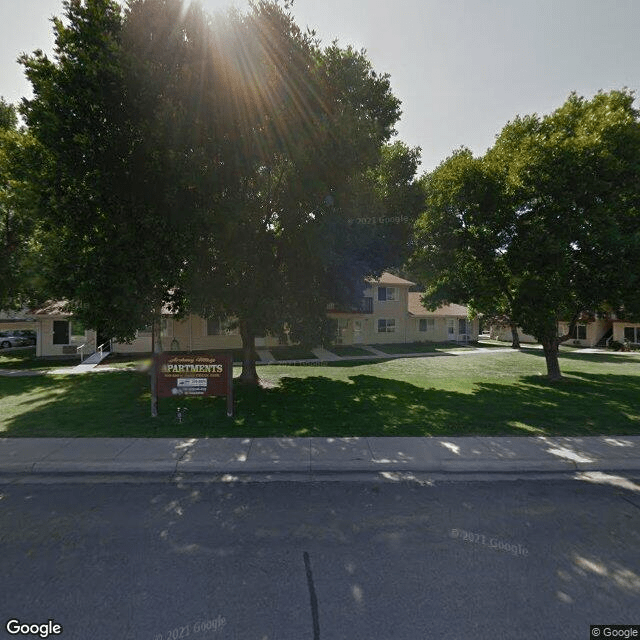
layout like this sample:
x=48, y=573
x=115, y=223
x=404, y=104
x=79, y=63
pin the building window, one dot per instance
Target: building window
x=220, y=327
x=60, y=332
x=451, y=327
x=632, y=334
x=147, y=331
x=387, y=293
x=341, y=331
x=426, y=324
x=213, y=327
x=579, y=332
x=386, y=326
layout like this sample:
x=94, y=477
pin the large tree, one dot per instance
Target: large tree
x=545, y=226
x=117, y=180
x=213, y=162
x=18, y=243
x=312, y=124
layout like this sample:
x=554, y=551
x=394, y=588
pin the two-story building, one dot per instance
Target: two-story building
x=388, y=313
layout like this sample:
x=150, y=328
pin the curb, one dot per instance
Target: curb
x=89, y=472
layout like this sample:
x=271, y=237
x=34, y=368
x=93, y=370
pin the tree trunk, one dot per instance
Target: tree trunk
x=515, y=338
x=156, y=347
x=249, y=374
x=550, y=347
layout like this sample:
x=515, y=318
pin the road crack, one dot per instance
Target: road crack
x=312, y=597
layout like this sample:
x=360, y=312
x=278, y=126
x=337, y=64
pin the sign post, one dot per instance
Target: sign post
x=195, y=374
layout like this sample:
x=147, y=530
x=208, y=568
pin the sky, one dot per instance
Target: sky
x=462, y=68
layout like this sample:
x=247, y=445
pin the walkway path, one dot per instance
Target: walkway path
x=324, y=355
x=595, y=458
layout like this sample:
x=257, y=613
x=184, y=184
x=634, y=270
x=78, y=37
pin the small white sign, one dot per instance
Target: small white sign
x=192, y=382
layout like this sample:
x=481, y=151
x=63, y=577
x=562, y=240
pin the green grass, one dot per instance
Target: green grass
x=292, y=353
x=487, y=343
x=347, y=350
x=25, y=359
x=474, y=394
x=420, y=347
x=130, y=360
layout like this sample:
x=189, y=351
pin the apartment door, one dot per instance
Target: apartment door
x=357, y=331
x=60, y=332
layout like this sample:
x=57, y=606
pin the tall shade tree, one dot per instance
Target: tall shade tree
x=311, y=124
x=545, y=227
x=18, y=244
x=115, y=185
x=211, y=162
x=461, y=239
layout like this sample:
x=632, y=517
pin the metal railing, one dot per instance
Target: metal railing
x=100, y=348
x=81, y=348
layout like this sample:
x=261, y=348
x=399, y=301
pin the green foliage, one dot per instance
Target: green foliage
x=312, y=125
x=8, y=117
x=490, y=394
x=213, y=163
x=117, y=182
x=19, y=281
x=545, y=226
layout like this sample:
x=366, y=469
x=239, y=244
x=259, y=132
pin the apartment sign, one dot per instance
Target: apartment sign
x=195, y=374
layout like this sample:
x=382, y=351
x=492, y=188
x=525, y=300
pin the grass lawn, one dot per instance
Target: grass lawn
x=472, y=394
x=292, y=353
x=25, y=359
x=420, y=347
x=128, y=360
x=348, y=350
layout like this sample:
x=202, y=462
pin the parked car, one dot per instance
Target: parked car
x=11, y=339
x=28, y=335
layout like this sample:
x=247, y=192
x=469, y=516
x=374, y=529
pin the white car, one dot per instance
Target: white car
x=8, y=339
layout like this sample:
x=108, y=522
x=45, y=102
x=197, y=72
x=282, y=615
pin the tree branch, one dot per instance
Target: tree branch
x=572, y=326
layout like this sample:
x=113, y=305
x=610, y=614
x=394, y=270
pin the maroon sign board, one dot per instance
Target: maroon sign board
x=195, y=374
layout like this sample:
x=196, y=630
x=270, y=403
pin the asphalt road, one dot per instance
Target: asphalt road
x=337, y=560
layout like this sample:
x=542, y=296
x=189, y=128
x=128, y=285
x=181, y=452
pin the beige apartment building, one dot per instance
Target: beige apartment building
x=390, y=313
x=387, y=313
x=593, y=332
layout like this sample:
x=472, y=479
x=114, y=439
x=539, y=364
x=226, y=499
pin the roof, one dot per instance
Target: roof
x=10, y=315
x=51, y=308
x=59, y=308
x=416, y=308
x=389, y=278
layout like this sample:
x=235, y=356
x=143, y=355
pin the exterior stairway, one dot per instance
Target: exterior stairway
x=603, y=341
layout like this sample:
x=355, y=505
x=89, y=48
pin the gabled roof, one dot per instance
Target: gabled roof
x=51, y=308
x=59, y=308
x=10, y=315
x=416, y=308
x=389, y=278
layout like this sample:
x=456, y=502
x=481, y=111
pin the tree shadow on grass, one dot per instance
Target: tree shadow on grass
x=368, y=405
x=614, y=358
x=117, y=405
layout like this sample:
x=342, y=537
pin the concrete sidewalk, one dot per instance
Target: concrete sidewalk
x=313, y=458
x=267, y=358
